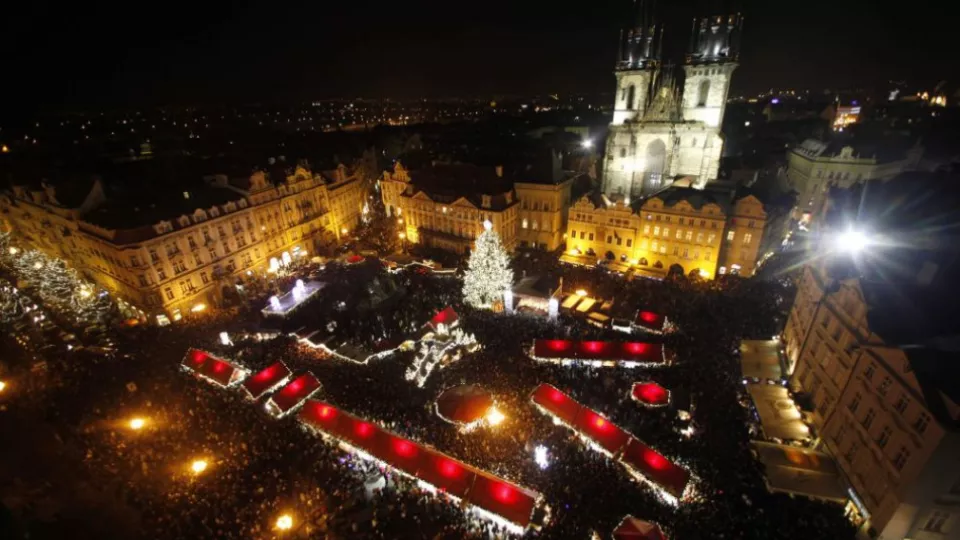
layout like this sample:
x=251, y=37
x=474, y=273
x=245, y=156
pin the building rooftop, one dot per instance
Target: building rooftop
x=449, y=182
x=910, y=277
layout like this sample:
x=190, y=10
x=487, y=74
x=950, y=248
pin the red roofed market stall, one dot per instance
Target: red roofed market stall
x=632, y=528
x=650, y=394
x=293, y=394
x=266, y=380
x=601, y=353
x=648, y=321
x=216, y=370
x=607, y=437
x=490, y=495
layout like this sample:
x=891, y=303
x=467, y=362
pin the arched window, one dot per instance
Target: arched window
x=631, y=91
x=702, y=93
x=655, y=162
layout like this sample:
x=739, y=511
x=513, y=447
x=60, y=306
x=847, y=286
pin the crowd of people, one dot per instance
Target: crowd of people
x=260, y=468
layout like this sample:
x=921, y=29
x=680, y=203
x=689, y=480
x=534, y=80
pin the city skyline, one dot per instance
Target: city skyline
x=72, y=59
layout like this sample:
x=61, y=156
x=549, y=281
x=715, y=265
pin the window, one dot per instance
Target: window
x=646, y=229
x=654, y=246
x=868, y=374
x=143, y=280
x=629, y=242
x=185, y=288
x=852, y=451
x=686, y=253
x=591, y=237
x=193, y=244
x=154, y=257
x=702, y=92
x=679, y=234
x=623, y=152
x=923, y=420
x=583, y=235
x=747, y=237
x=656, y=231
x=179, y=267
x=936, y=521
x=204, y=278
x=573, y=234
x=676, y=250
x=643, y=244
x=752, y=224
x=689, y=236
x=855, y=402
x=161, y=274
x=900, y=460
x=703, y=223
x=885, y=386
x=663, y=248
x=711, y=237
x=525, y=224
x=196, y=259
x=699, y=237
x=609, y=239
x=134, y=261
x=213, y=253
x=666, y=232
x=707, y=255
x=169, y=292
x=901, y=405
x=868, y=419
x=841, y=433
x=730, y=236
x=884, y=437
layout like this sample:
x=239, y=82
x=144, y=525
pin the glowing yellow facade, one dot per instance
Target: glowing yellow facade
x=177, y=264
x=683, y=229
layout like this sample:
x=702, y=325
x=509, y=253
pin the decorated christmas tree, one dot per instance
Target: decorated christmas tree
x=488, y=273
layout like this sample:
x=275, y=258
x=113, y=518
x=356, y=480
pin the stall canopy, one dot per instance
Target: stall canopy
x=263, y=381
x=779, y=417
x=628, y=450
x=800, y=471
x=655, y=467
x=293, y=394
x=208, y=366
x=632, y=528
x=649, y=321
x=650, y=394
x=611, y=351
x=464, y=404
x=481, y=489
x=760, y=359
x=447, y=316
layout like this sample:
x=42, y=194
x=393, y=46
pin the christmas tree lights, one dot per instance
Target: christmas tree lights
x=488, y=272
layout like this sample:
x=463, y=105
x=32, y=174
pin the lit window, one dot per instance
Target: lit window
x=747, y=237
x=524, y=225
x=730, y=236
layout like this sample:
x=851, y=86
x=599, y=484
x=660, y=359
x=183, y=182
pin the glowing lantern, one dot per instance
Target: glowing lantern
x=198, y=466
x=137, y=424
x=284, y=522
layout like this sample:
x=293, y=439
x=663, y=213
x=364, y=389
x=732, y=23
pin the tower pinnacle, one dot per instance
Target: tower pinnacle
x=640, y=45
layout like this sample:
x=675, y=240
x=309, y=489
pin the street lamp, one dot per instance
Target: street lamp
x=852, y=241
x=587, y=143
x=284, y=522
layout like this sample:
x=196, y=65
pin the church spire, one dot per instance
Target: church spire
x=641, y=44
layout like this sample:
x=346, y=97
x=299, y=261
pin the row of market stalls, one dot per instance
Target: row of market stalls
x=783, y=436
x=669, y=479
x=628, y=354
x=486, y=494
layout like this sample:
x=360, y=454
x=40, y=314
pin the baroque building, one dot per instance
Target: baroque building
x=662, y=130
x=870, y=341
x=176, y=250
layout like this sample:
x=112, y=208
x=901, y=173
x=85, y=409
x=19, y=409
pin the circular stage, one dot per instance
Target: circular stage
x=464, y=405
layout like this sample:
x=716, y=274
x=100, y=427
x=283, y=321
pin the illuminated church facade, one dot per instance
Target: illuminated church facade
x=663, y=131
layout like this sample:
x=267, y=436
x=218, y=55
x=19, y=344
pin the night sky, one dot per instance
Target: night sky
x=59, y=55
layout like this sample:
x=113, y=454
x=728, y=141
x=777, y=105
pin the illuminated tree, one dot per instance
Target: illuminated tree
x=488, y=273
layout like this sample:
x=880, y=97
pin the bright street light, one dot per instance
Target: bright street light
x=852, y=241
x=198, y=466
x=285, y=522
x=587, y=143
x=494, y=417
x=137, y=424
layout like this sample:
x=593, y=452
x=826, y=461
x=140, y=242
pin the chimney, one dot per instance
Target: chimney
x=499, y=169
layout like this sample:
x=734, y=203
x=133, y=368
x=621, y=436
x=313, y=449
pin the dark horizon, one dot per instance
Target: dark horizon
x=106, y=56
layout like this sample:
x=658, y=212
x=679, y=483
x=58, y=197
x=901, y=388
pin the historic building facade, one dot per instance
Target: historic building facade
x=815, y=166
x=444, y=206
x=182, y=261
x=543, y=213
x=695, y=232
x=895, y=440
x=661, y=132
